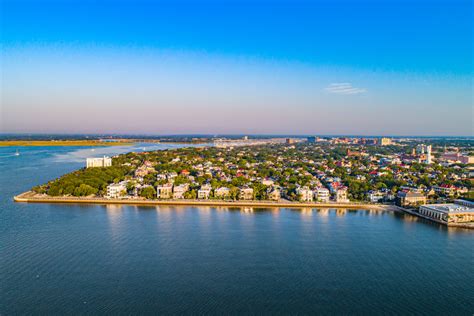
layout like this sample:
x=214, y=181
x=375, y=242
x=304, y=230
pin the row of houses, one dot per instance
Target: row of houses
x=321, y=194
x=170, y=191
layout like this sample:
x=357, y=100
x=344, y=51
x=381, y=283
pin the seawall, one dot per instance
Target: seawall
x=31, y=197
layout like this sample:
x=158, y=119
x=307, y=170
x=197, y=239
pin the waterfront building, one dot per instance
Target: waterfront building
x=116, y=190
x=304, y=194
x=204, y=192
x=376, y=196
x=98, y=162
x=179, y=190
x=460, y=211
x=274, y=194
x=341, y=195
x=410, y=198
x=222, y=192
x=246, y=194
x=164, y=191
x=322, y=195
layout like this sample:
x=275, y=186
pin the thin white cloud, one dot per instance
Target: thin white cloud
x=344, y=88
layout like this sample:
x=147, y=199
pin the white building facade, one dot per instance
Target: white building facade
x=204, y=192
x=98, y=162
x=116, y=190
x=304, y=194
x=322, y=195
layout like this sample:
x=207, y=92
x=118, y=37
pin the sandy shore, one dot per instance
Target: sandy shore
x=31, y=197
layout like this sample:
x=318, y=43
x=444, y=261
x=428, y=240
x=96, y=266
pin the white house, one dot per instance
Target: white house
x=376, y=196
x=322, y=195
x=98, y=162
x=179, y=190
x=164, y=191
x=116, y=190
x=222, y=192
x=304, y=194
x=341, y=195
x=204, y=192
x=246, y=194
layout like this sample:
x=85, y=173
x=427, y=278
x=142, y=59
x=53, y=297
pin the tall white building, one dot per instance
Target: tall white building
x=428, y=159
x=420, y=149
x=98, y=162
x=425, y=150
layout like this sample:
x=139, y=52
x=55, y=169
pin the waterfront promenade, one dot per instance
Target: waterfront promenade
x=31, y=197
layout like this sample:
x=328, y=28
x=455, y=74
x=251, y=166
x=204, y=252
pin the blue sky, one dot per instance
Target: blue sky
x=298, y=67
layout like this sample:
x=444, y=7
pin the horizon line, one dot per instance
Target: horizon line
x=226, y=134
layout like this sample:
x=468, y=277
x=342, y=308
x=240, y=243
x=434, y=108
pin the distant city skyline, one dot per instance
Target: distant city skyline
x=397, y=68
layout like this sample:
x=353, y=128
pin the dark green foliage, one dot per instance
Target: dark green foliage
x=148, y=192
x=85, y=181
x=84, y=190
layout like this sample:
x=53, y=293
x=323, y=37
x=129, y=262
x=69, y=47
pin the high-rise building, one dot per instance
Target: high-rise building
x=428, y=159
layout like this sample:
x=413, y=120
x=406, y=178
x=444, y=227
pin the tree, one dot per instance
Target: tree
x=191, y=194
x=234, y=193
x=148, y=192
x=84, y=190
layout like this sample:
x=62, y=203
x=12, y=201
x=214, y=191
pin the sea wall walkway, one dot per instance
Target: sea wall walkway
x=31, y=197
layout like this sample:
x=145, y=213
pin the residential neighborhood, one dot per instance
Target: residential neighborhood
x=339, y=170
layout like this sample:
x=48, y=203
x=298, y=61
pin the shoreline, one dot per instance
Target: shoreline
x=61, y=143
x=30, y=197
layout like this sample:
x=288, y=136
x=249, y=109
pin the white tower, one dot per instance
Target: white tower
x=428, y=155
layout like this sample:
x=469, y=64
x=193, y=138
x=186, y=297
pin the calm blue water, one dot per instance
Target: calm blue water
x=108, y=259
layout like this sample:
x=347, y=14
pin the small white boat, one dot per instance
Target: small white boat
x=17, y=153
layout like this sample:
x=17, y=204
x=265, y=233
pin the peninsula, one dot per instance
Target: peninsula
x=313, y=172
